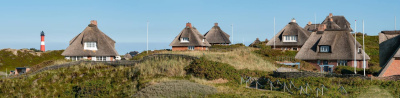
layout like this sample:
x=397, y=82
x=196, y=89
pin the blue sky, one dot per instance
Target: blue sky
x=125, y=21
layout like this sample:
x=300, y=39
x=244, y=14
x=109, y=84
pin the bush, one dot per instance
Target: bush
x=347, y=70
x=211, y=70
x=224, y=48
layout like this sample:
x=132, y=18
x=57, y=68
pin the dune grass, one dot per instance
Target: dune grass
x=240, y=58
x=163, y=66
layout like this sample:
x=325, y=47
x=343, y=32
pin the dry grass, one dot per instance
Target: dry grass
x=163, y=66
x=240, y=58
x=177, y=88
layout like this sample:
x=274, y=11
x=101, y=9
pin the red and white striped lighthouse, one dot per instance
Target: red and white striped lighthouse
x=42, y=42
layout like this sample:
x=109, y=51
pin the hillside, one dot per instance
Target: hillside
x=239, y=57
x=12, y=58
x=372, y=49
x=169, y=76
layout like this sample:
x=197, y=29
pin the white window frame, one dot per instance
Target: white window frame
x=203, y=40
x=342, y=62
x=90, y=46
x=101, y=58
x=191, y=47
x=324, y=49
x=290, y=38
x=184, y=39
x=359, y=50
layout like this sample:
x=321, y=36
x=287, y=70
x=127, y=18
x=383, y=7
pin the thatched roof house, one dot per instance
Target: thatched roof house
x=291, y=37
x=91, y=44
x=389, y=54
x=189, y=39
x=341, y=21
x=385, y=35
x=216, y=36
x=254, y=44
x=311, y=27
x=328, y=48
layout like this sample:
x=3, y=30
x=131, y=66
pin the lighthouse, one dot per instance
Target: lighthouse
x=42, y=42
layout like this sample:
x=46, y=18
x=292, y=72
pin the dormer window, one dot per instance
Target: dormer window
x=290, y=38
x=203, y=39
x=90, y=46
x=184, y=39
x=359, y=50
x=324, y=49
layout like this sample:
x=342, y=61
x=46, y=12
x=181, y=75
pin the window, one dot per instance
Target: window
x=90, y=46
x=101, y=58
x=184, y=39
x=359, y=50
x=294, y=48
x=76, y=58
x=324, y=49
x=290, y=38
x=342, y=62
x=191, y=47
x=203, y=40
x=318, y=62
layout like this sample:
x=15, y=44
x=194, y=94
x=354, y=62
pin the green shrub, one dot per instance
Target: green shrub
x=224, y=48
x=211, y=70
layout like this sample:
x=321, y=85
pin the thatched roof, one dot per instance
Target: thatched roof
x=128, y=56
x=217, y=36
x=385, y=35
x=341, y=43
x=311, y=27
x=387, y=50
x=257, y=41
x=341, y=21
x=195, y=38
x=105, y=45
x=292, y=28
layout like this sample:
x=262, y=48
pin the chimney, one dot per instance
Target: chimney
x=330, y=15
x=215, y=24
x=93, y=22
x=309, y=23
x=321, y=27
x=293, y=20
x=189, y=25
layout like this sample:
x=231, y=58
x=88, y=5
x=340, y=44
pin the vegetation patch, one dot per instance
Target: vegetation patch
x=239, y=58
x=163, y=66
x=8, y=60
x=179, y=88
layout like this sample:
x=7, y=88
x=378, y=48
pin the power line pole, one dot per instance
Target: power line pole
x=274, y=33
x=364, y=65
x=147, y=49
x=355, y=48
x=232, y=34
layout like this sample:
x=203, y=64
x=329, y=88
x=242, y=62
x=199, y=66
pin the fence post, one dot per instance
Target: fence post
x=317, y=92
x=256, y=84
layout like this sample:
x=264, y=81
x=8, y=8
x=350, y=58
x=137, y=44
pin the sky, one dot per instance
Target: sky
x=21, y=21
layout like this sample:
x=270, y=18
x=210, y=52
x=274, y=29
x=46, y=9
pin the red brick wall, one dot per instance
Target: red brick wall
x=183, y=48
x=393, y=69
x=335, y=62
x=287, y=47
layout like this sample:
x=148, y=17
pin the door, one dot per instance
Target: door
x=325, y=62
x=326, y=69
